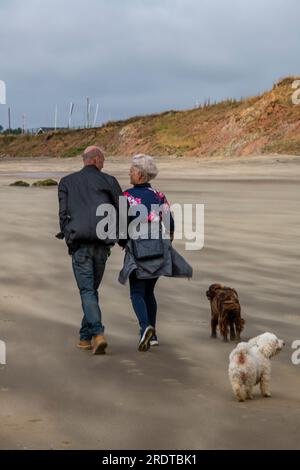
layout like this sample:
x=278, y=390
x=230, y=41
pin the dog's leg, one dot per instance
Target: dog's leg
x=239, y=324
x=232, y=331
x=225, y=332
x=249, y=393
x=265, y=385
x=223, y=327
x=239, y=392
x=214, y=324
x=238, y=330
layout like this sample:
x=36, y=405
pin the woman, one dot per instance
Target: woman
x=149, y=251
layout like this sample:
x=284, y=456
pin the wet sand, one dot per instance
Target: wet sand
x=178, y=395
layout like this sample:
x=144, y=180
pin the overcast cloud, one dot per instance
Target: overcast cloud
x=140, y=56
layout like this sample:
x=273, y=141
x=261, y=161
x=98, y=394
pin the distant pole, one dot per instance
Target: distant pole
x=55, y=118
x=87, y=112
x=9, y=120
x=23, y=123
x=70, y=114
x=96, y=115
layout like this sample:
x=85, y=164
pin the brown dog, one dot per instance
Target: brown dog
x=225, y=312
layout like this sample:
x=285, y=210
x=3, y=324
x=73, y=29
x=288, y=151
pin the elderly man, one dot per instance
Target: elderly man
x=80, y=194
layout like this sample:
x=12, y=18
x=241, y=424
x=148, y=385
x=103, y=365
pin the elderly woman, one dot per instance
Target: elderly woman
x=149, y=252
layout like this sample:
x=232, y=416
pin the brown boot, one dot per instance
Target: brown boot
x=99, y=344
x=84, y=344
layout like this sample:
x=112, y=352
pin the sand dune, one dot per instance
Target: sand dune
x=178, y=395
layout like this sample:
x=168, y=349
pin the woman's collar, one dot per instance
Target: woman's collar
x=142, y=185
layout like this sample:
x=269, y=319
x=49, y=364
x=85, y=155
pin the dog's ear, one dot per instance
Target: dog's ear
x=268, y=348
x=213, y=290
x=266, y=344
x=210, y=292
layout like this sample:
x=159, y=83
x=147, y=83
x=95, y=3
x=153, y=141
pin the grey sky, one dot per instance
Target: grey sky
x=140, y=56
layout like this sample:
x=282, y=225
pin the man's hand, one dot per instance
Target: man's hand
x=60, y=236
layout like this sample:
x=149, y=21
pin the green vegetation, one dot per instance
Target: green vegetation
x=20, y=183
x=43, y=183
x=288, y=147
x=73, y=152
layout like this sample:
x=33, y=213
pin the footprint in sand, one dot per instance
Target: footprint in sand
x=191, y=390
x=172, y=381
x=66, y=443
x=185, y=358
x=127, y=362
x=200, y=395
x=135, y=372
x=132, y=370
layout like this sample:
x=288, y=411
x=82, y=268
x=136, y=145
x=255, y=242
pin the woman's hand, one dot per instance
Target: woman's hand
x=171, y=236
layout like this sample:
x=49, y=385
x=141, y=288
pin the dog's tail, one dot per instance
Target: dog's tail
x=239, y=354
x=241, y=359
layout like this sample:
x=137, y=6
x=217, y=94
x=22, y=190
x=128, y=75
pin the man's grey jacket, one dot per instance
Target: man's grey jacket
x=80, y=194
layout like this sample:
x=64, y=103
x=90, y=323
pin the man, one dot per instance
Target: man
x=80, y=194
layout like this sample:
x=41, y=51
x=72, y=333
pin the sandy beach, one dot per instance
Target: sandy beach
x=53, y=396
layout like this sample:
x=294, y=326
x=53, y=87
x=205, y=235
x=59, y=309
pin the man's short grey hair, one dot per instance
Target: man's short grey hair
x=92, y=152
x=146, y=165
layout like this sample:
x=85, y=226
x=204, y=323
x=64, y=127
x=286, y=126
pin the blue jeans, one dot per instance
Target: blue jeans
x=143, y=300
x=88, y=263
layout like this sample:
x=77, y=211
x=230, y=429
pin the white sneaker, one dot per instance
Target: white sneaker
x=144, y=344
x=154, y=341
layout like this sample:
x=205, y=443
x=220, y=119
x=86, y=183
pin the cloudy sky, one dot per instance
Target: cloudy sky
x=140, y=56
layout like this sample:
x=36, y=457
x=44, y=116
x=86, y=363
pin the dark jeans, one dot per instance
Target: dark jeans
x=88, y=263
x=143, y=300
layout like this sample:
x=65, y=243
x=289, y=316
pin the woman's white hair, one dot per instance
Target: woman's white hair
x=146, y=165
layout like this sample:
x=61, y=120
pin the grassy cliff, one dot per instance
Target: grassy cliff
x=269, y=123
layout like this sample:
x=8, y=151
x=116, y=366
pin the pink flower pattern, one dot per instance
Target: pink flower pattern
x=154, y=216
x=133, y=201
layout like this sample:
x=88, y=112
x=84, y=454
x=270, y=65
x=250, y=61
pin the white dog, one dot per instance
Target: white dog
x=249, y=365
